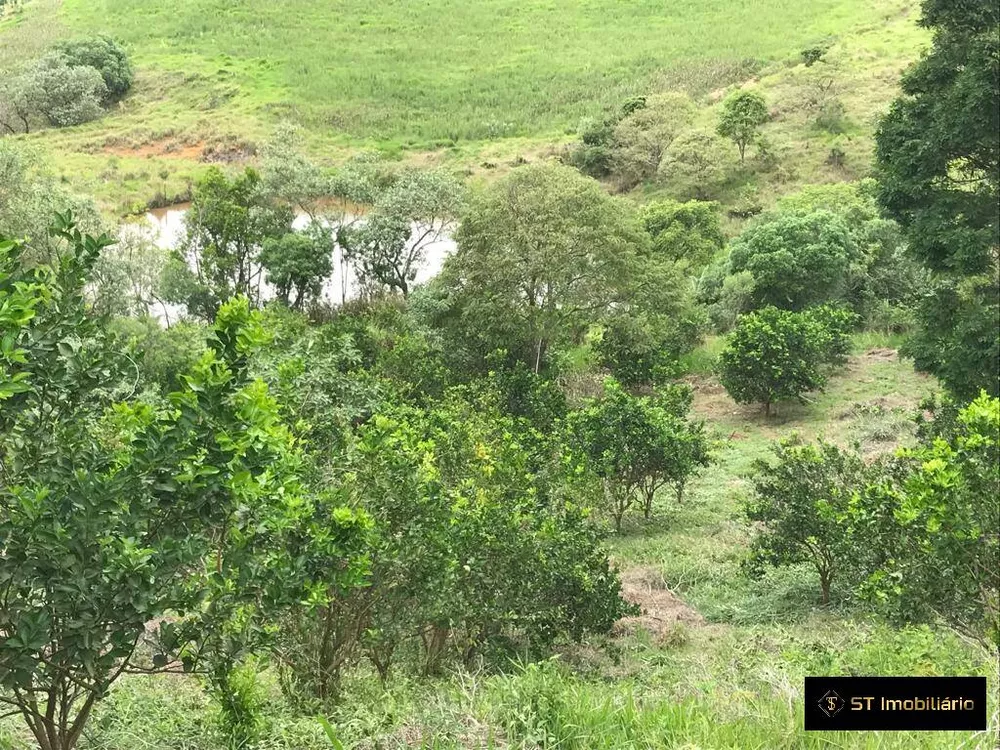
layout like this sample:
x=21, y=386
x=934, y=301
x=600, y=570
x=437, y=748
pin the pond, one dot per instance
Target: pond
x=166, y=229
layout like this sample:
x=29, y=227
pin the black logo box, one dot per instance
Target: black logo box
x=926, y=703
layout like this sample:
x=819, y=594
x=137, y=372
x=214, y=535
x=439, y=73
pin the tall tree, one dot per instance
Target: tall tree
x=796, y=258
x=938, y=165
x=541, y=254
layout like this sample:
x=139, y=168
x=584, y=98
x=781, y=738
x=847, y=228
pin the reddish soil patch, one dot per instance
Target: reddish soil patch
x=662, y=610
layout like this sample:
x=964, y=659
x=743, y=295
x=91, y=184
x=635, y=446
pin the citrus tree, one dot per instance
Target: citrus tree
x=118, y=514
x=930, y=532
x=635, y=445
x=773, y=354
x=798, y=504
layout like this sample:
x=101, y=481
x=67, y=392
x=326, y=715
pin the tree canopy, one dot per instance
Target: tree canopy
x=938, y=169
x=542, y=253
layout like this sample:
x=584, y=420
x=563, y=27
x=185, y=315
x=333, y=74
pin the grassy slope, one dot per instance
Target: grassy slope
x=726, y=676
x=470, y=85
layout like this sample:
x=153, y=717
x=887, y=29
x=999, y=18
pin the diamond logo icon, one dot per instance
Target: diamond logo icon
x=831, y=703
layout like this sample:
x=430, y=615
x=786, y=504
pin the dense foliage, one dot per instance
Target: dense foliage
x=635, y=445
x=70, y=85
x=324, y=502
x=798, y=502
x=120, y=511
x=824, y=244
x=929, y=532
x=938, y=165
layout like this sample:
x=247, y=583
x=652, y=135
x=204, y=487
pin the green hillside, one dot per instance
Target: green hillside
x=498, y=374
x=465, y=84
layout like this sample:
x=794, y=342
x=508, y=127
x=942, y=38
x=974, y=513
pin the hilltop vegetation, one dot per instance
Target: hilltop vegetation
x=473, y=87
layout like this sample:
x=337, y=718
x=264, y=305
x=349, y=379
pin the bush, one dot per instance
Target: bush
x=646, y=348
x=106, y=56
x=636, y=445
x=835, y=325
x=141, y=494
x=832, y=117
x=66, y=94
x=690, y=232
x=478, y=551
x=696, y=165
x=929, y=525
x=593, y=155
x=812, y=55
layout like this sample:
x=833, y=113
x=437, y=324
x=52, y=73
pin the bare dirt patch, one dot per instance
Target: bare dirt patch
x=662, y=610
x=712, y=402
x=224, y=149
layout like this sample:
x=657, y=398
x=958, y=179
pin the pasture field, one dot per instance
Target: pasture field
x=476, y=87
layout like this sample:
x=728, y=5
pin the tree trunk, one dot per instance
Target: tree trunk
x=647, y=502
x=382, y=662
x=825, y=576
x=435, y=641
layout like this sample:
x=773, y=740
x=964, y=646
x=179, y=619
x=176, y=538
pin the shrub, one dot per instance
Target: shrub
x=696, y=165
x=832, y=117
x=477, y=551
x=812, y=55
x=646, y=348
x=634, y=446
x=642, y=135
x=65, y=94
x=689, y=232
x=929, y=527
x=835, y=325
x=126, y=501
